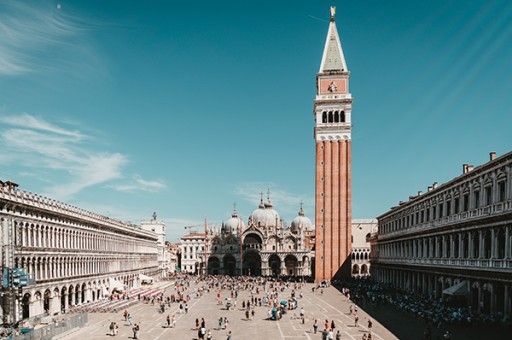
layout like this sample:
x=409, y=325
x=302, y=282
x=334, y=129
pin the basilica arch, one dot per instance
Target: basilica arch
x=291, y=264
x=229, y=264
x=213, y=265
x=274, y=262
x=252, y=263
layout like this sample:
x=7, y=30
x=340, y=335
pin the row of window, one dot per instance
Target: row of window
x=333, y=117
x=455, y=205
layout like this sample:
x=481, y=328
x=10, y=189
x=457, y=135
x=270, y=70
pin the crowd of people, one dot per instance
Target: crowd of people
x=435, y=312
x=278, y=296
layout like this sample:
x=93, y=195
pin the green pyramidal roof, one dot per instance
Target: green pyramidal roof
x=333, y=58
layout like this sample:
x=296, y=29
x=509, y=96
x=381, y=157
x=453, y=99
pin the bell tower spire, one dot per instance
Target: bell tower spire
x=333, y=192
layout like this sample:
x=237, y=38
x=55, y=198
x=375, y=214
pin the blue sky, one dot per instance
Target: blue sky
x=184, y=108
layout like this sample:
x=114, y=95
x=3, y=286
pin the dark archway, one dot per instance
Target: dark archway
x=229, y=265
x=70, y=296
x=355, y=269
x=252, y=263
x=25, y=304
x=77, y=294
x=290, y=262
x=63, y=299
x=274, y=262
x=364, y=269
x=213, y=266
x=252, y=241
x=84, y=288
x=46, y=300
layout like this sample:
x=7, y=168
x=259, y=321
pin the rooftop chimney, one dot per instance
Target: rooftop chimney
x=434, y=185
x=492, y=156
x=429, y=189
x=470, y=167
x=420, y=193
x=464, y=168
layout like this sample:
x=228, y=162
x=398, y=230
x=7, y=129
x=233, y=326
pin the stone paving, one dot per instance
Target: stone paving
x=330, y=305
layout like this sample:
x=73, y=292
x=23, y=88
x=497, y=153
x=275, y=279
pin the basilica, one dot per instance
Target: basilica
x=265, y=246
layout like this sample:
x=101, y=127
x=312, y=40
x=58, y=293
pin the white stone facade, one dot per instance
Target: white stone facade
x=74, y=255
x=455, y=232
x=158, y=227
x=268, y=247
x=192, y=253
x=361, y=232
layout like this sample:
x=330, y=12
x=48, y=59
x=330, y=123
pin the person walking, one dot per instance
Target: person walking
x=229, y=336
x=186, y=308
x=338, y=335
x=135, y=330
x=129, y=319
x=356, y=320
x=111, y=327
x=315, y=326
x=330, y=335
x=370, y=324
x=209, y=335
x=174, y=321
x=333, y=327
x=168, y=320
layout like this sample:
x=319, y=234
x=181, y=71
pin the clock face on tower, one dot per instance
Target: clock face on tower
x=333, y=86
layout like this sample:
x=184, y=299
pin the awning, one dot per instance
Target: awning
x=145, y=278
x=459, y=289
x=116, y=285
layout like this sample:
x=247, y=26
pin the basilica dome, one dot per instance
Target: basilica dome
x=301, y=221
x=265, y=215
x=235, y=222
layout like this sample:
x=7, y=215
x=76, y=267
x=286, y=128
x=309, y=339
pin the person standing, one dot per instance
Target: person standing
x=209, y=335
x=168, y=320
x=135, y=330
x=111, y=327
x=356, y=320
x=370, y=324
x=129, y=319
x=315, y=326
x=330, y=335
x=174, y=321
x=333, y=326
x=229, y=336
x=338, y=335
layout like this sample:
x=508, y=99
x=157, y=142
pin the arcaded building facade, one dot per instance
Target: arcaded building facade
x=454, y=239
x=362, y=230
x=333, y=182
x=265, y=246
x=74, y=255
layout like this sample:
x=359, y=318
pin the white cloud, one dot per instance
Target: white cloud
x=39, y=145
x=36, y=36
x=139, y=184
x=25, y=120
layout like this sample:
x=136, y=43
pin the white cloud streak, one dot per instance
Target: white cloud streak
x=39, y=145
x=140, y=184
x=36, y=36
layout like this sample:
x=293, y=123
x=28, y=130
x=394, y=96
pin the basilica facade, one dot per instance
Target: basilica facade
x=263, y=246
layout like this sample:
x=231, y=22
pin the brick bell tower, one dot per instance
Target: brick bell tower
x=333, y=188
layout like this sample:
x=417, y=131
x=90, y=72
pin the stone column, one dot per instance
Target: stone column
x=461, y=246
x=481, y=246
x=494, y=249
x=507, y=242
